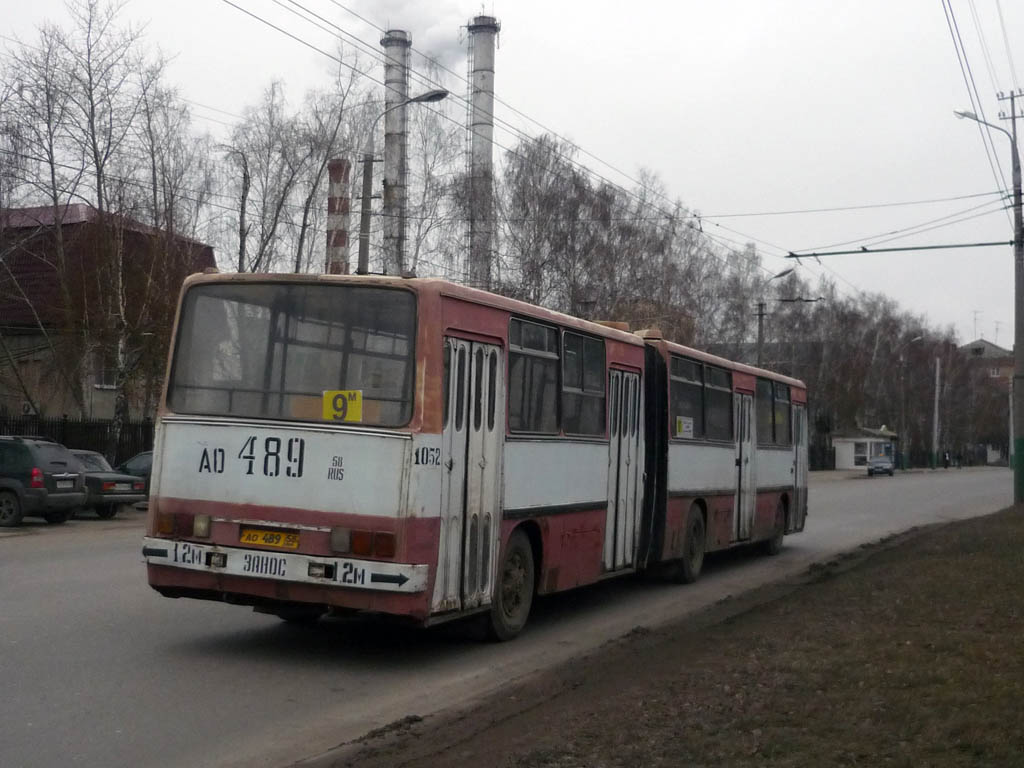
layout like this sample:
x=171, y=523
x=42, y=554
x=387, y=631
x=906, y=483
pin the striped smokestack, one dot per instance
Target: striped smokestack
x=338, y=205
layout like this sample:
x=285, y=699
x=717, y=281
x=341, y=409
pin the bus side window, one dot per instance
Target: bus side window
x=533, y=361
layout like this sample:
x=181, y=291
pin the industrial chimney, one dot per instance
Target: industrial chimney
x=338, y=204
x=396, y=45
x=482, y=33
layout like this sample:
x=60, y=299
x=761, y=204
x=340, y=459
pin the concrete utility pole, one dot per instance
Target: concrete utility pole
x=364, y=219
x=760, y=333
x=761, y=314
x=482, y=33
x=1018, y=300
x=1018, y=313
x=396, y=43
x=935, y=419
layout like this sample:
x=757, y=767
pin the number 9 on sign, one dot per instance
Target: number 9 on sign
x=343, y=405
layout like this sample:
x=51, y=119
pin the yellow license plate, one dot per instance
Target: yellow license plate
x=266, y=538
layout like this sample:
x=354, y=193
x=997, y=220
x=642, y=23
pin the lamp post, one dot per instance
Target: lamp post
x=1018, y=306
x=903, y=397
x=364, y=217
x=760, y=316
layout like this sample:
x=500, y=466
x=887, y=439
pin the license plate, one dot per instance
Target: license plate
x=122, y=486
x=65, y=483
x=266, y=538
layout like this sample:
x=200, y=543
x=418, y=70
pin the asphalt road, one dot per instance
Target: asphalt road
x=98, y=670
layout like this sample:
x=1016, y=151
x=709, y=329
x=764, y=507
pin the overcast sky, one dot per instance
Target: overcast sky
x=741, y=106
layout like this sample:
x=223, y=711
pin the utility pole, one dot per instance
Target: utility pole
x=1018, y=308
x=760, y=333
x=935, y=419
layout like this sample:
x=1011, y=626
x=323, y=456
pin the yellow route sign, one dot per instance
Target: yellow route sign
x=343, y=405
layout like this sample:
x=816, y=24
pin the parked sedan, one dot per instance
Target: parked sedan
x=108, y=489
x=880, y=465
x=141, y=464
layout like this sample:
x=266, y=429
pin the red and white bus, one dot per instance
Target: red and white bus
x=412, y=447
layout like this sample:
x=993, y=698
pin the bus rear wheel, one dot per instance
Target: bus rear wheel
x=774, y=545
x=513, y=595
x=300, y=615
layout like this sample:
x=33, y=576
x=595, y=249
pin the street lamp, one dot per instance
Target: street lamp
x=427, y=97
x=760, y=314
x=1018, y=305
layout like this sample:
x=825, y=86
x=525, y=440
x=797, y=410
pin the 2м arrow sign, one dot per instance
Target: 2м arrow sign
x=388, y=578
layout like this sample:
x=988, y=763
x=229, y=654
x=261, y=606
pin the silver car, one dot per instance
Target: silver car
x=880, y=465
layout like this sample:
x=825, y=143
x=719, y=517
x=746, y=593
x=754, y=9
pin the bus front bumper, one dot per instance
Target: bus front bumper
x=370, y=575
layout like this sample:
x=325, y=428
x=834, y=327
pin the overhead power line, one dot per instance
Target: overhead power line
x=911, y=229
x=1006, y=42
x=509, y=150
x=892, y=250
x=972, y=93
x=864, y=207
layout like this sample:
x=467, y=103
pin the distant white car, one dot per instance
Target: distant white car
x=880, y=465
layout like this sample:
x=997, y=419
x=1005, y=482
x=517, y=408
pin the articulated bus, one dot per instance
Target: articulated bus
x=358, y=444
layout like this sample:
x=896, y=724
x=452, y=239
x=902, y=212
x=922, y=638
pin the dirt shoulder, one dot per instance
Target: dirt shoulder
x=908, y=653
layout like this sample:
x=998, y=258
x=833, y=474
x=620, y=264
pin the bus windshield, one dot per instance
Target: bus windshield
x=272, y=350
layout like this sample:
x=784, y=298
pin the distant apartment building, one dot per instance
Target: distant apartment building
x=59, y=318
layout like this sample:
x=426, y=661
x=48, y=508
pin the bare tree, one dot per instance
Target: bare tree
x=265, y=146
x=322, y=136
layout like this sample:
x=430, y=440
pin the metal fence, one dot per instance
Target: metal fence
x=87, y=434
x=821, y=456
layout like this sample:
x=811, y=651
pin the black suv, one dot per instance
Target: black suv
x=38, y=477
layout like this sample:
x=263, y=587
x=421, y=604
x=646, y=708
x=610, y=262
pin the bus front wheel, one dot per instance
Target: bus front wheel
x=513, y=595
x=686, y=570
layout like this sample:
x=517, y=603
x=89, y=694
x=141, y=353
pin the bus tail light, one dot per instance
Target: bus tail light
x=201, y=526
x=384, y=544
x=165, y=524
x=362, y=543
x=37, y=478
x=340, y=540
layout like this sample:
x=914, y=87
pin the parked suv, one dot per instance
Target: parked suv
x=38, y=477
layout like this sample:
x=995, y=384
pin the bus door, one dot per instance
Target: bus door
x=798, y=513
x=471, y=462
x=746, y=467
x=625, y=466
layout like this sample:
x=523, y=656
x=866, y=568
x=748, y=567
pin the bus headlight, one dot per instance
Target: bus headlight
x=341, y=540
x=201, y=526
